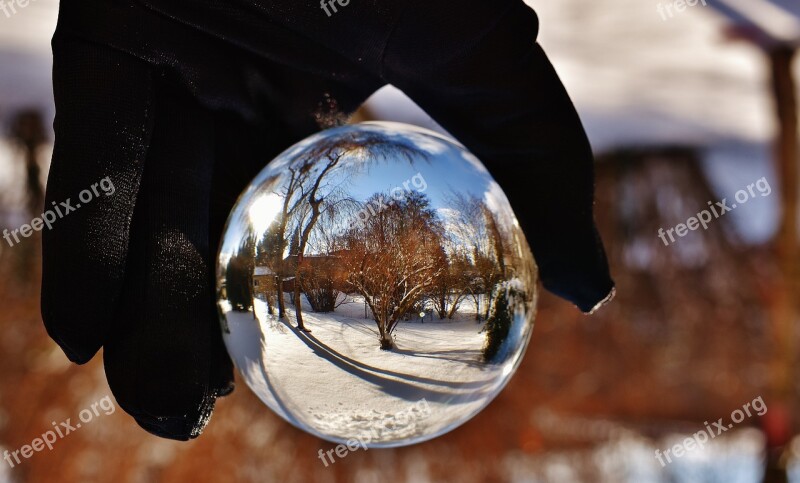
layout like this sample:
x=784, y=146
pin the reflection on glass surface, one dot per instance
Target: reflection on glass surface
x=374, y=284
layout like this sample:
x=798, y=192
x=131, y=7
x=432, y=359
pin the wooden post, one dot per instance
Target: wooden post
x=27, y=129
x=28, y=132
x=778, y=421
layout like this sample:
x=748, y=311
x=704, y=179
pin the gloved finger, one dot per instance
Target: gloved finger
x=165, y=360
x=486, y=81
x=242, y=149
x=101, y=137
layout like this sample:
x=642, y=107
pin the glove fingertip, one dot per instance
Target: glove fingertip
x=602, y=303
x=178, y=428
x=79, y=348
x=588, y=295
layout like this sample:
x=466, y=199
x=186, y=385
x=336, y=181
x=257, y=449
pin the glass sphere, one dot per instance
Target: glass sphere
x=374, y=285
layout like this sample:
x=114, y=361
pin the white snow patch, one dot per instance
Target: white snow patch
x=337, y=383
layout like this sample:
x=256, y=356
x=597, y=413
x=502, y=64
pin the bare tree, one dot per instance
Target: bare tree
x=475, y=235
x=453, y=284
x=319, y=192
x=394, y=259
x=323, y=279
x=274, y=241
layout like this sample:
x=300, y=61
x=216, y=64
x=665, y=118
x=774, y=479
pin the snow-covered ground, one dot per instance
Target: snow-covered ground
x=630, y=458
x=337, y=383
x=5, y=473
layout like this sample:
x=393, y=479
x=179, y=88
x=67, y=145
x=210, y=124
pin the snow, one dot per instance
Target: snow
x=5, y=471
x=261, y=271
x=337, y=383
x=779, y=19
x=630, y=458
x=638, y=80
x=25, y=57
x=635, y=79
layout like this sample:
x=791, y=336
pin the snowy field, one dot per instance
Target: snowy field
x=338, y=383
x=629, y=458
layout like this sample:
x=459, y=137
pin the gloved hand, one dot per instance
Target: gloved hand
x=180, y=104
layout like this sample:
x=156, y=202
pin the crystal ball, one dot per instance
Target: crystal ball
x=374, y=285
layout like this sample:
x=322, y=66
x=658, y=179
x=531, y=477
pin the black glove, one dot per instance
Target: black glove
x=179, y=105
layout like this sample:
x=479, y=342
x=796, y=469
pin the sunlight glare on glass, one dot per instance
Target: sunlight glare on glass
x=264, y=210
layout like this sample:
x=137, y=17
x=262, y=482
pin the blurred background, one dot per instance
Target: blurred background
x=684, y=105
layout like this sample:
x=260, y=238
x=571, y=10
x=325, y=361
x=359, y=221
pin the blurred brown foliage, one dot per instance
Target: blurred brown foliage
x=686, y=340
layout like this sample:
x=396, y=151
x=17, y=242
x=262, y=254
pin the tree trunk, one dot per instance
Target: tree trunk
x=298, y=301
x=442, y=308
x=385, y=332
x=488, y=306
x=454, y=307
x=281, y=304
x=387, y=342
x=27, y=129
x=784, y=309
